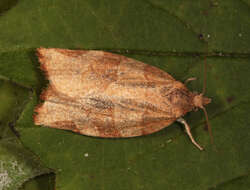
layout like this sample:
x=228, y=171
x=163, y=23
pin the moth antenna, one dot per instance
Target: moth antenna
x=205, y=76
x=203, y=108
x=208, y=125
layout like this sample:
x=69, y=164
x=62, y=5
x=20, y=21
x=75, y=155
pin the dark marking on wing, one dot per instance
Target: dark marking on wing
x=71, y=53
x=101, y=103
x=142, y=105
x=132, y=104
x=139, y=84
x=166, y=90
x=67, y=125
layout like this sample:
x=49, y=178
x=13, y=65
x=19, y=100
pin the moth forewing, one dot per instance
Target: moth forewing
x=101, y=94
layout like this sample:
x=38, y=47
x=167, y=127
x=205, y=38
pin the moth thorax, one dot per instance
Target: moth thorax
x=199, y=101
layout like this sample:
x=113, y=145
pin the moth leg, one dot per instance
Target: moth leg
x=189, y=79
x=181, y=120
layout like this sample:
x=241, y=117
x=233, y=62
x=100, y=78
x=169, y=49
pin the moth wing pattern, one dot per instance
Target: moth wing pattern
x=101, y=94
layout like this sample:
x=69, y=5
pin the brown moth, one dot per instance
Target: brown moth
x=101, y=94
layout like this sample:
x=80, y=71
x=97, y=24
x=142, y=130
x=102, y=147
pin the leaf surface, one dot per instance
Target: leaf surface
x=17, y=164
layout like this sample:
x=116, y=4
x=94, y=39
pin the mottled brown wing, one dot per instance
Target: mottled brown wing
x=101, y=94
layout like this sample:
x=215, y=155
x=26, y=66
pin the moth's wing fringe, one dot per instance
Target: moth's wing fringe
x=41, y=59
x=43, y=95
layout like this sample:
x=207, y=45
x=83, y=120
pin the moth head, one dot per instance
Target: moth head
x=200, y=101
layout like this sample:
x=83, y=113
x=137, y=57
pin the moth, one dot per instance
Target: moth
x=107, y=95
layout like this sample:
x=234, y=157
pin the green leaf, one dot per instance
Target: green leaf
x=44, y=182
x=242, y=183
x=173, y=35
x=17, y=164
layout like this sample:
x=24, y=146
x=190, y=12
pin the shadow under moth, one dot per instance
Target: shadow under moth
x=107, y=95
